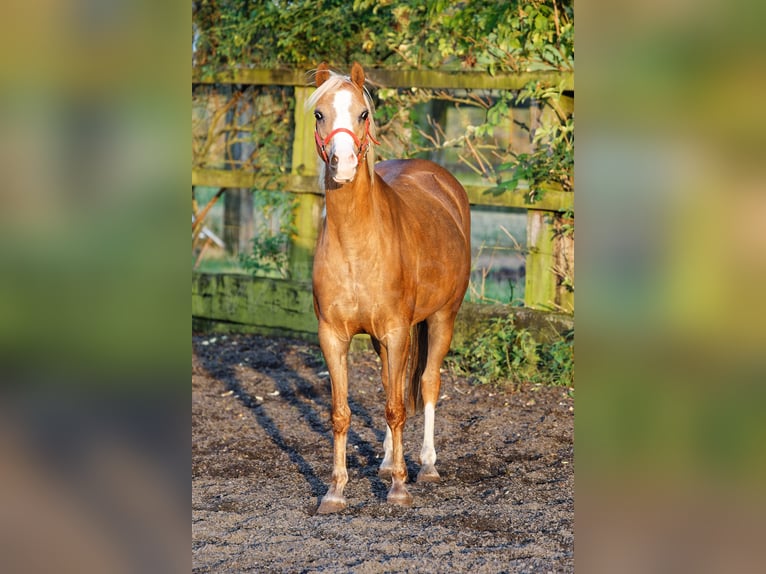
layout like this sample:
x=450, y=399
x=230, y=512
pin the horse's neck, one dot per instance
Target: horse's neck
x=354, y=209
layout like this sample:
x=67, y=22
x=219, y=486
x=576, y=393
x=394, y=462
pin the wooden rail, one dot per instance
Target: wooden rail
x=541, y=289
x=427, y=79
x=550, y=199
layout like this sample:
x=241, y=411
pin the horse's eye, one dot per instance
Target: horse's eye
x=364, y=115
x=318, y=116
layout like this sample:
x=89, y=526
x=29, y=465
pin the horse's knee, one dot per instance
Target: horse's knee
x=341, y=419
x=395, y=416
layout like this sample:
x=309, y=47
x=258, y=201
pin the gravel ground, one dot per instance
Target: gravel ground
x=262, y=459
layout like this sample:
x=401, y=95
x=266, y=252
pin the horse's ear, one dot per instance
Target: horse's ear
x=357, y=75
x=323, y=74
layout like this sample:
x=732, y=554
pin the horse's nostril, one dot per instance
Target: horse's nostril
x=334, y=160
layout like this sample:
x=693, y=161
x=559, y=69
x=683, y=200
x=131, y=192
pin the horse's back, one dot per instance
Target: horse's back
x=423, y=185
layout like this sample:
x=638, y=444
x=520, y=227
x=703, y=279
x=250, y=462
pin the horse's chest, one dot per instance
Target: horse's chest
x=358, y=291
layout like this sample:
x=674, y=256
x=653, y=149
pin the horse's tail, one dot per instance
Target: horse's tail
x=418, y=358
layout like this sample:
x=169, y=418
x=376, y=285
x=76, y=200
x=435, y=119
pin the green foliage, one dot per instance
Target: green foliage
x=269, y=33
x=269, y=254
x=503, y=353
x=479, y=35
x=558, y=358
x=484, y=34
x=552, y=160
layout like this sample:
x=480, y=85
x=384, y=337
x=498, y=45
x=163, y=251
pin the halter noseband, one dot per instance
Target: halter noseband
x=362, y=144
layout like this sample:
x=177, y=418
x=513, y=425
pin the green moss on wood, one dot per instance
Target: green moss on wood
x=276, y=307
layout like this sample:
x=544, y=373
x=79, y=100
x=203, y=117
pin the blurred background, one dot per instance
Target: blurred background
x=672, y=258
x=94, y=325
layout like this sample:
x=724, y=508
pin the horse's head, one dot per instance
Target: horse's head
x=343, y=112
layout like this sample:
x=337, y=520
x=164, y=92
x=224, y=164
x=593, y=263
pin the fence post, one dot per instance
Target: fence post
x=550, y=262
x=238, y=215
x=308, y=207
x=540, y=288
x=563, y=254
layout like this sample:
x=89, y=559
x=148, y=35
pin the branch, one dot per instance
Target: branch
x=211, y=128
x=200, y=217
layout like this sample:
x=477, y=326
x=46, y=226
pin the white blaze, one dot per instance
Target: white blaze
x=342, y=144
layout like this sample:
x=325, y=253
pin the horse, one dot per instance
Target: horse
x=392, y=260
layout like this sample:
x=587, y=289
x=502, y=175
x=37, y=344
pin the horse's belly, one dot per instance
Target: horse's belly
x=361, y=312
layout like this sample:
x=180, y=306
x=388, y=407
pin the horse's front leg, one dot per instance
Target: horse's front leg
x=397, y=347
x=387, y=465
x=335, y=351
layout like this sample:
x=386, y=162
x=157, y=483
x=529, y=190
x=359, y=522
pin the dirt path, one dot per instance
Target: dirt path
x=262, y=458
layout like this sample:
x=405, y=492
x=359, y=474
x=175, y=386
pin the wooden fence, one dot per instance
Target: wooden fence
x=280, y=303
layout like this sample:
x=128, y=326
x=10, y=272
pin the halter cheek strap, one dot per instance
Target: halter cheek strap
x=362, y=144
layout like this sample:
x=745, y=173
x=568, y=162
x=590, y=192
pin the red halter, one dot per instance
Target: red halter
x=362, y=144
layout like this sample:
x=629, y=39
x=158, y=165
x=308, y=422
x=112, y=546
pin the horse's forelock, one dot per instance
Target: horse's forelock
x=333, y=83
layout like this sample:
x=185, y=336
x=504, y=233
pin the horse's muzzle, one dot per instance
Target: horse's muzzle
x=343, y=166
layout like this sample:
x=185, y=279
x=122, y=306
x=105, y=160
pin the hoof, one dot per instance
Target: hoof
x=399, y=495
x=331, y=504
x=428, y=474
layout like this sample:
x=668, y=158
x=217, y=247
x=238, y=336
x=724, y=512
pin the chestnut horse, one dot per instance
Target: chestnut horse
x=392, y=260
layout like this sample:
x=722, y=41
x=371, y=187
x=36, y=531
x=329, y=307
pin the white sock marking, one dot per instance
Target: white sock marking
x=388, y=448
x=428, y=452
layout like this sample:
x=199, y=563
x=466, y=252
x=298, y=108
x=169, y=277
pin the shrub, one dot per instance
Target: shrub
x=505, y=354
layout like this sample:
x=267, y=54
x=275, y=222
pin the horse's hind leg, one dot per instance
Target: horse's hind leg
x=335, y=352
x=440, y=326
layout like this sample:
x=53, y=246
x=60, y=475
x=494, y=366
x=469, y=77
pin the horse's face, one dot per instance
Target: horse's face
x=342, y=120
